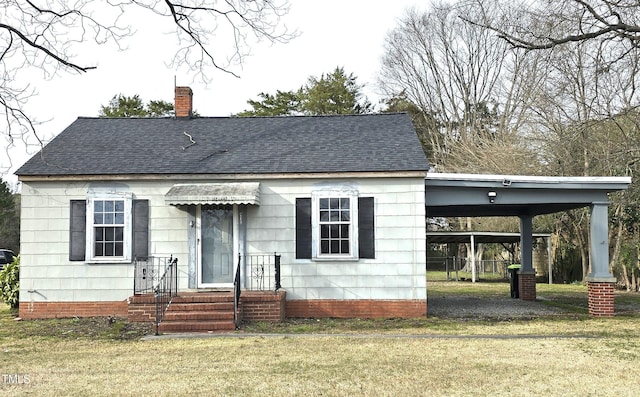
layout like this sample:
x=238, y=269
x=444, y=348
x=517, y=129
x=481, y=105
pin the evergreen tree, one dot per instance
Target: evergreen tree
x=9, y=219
x=283, y=103
x=124, y=106
x=332, y=93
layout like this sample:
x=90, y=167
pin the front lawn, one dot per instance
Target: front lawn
x=430, y=356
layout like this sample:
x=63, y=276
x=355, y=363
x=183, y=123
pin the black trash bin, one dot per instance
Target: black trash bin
x=513, y=273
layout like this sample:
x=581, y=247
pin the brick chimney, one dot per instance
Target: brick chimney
x=184, y=102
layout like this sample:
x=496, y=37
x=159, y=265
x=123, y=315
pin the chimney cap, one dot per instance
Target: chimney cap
x=184, y=91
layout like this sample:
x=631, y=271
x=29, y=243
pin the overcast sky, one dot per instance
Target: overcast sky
x=346, y=33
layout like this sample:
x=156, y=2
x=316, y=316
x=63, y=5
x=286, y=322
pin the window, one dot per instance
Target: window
x=336, y=226
x=108, y=229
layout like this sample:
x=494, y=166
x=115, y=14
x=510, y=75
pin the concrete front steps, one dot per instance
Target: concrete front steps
x=188, y=312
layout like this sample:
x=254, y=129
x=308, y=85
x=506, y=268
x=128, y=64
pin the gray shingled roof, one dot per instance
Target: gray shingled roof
x=229, y=145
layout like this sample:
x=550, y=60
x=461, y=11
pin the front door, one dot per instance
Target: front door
x=216, y=247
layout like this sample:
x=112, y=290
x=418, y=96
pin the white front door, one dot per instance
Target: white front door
x=216, y=251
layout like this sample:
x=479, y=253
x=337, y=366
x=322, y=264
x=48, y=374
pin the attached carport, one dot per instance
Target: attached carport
x=473, y=195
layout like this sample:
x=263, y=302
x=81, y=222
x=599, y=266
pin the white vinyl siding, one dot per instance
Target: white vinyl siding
x=396, y=272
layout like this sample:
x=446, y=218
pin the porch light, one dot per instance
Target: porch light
x=492, y=197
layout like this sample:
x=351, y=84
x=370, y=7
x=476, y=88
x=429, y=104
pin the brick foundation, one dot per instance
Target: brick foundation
x=262, y=306
x=356, y=308
x=255, y=306
x=33, y=310
x=601, y=299
x=527, y=286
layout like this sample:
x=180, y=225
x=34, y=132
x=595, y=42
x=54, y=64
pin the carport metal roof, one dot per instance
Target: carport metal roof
x=479, y=237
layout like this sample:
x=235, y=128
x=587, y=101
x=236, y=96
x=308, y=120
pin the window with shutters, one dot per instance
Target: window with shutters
x=335, y=226
x=111, y=228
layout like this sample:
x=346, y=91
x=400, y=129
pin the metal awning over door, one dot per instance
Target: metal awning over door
x=214, y=193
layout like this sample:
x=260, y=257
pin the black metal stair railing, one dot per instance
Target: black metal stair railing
x=157, y=275
x=147, y=273
x=166, y=289
x=263, y=272
x=277, y=271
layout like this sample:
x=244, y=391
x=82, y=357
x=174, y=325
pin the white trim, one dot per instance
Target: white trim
x=128, y=224
x=527, y=178
x=352, y=195
x=236, y=242
x=199, y=283
x=226, y=177
x=198, y=246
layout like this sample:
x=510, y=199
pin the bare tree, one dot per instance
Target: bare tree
x=471, y=88
x=495, y=105
x=467, y=91
x=550, y=23
x=587, y=124
x=44, y=36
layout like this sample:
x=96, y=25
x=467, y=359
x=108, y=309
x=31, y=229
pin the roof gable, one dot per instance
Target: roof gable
x=231, y=145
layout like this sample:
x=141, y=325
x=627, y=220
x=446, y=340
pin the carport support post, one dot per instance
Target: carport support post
x=526, y=275
x=600, y=281
x=473, y=258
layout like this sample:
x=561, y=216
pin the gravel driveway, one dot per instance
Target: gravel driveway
x=488, y=308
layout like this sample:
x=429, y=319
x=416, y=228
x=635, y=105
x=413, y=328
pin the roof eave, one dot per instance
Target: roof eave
x=607, y=183
x=238, y=176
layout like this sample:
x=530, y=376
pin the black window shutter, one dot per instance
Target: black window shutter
x=77, y=230
x=366, y=228
x=140, y=229
x=303, y=228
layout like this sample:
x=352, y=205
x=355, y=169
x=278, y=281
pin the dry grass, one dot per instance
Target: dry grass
x=325, y=366
x=575, y=355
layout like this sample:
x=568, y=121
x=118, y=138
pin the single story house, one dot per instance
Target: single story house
x=340, y=200
x=298, y=216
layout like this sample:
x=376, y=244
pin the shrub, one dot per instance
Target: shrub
x=10, y=283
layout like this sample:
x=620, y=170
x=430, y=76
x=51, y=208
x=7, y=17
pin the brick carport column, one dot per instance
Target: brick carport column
x=600, y=281
x=526, y=275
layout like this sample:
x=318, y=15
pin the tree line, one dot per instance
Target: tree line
x=333, y=93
